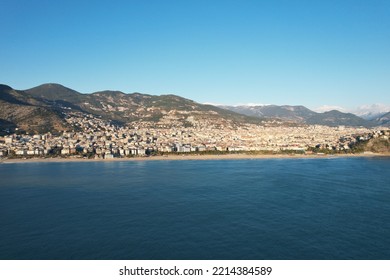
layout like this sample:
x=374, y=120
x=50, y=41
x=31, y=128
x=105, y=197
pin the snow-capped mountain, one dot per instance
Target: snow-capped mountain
x=371, y=112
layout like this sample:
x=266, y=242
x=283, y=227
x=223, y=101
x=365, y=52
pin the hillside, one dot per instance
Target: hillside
x=375, y=145
x=379, y=145
x=384, y=119
x=286, y=112
x=55, y=101
x=22, y=111
x=44, y=108
x=126, y=108
x=55, y=92
x=336, y=118
x=302, y=114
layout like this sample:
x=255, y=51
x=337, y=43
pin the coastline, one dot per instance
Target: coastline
x=194, y=157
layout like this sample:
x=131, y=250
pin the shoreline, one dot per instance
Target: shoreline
x=193, y=157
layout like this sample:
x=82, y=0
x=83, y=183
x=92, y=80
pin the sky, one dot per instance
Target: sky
x=311, y=53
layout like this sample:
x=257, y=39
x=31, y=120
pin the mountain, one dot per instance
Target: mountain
x=55, y=92
x=384, y=119
x=301, y=114
x=370, y=116
x=125, y=109
x=19, y=110
x=336, y=118
x=371, y=112
x=46, y=107
x=286, y=112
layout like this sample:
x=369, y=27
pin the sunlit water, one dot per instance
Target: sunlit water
x=213, y=209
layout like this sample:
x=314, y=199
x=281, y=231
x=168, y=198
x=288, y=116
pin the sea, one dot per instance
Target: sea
x=254, y=209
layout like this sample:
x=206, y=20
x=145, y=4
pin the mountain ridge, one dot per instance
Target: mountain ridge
x=124, y=108
x=384, y=119
x=302, y=114
x=20, y=111
x=55, y=101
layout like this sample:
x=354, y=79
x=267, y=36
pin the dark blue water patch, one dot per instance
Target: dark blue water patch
x=216, y=209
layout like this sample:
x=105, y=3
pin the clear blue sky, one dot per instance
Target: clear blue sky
x=227, y=52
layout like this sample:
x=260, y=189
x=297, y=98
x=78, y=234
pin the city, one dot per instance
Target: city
x=98, y=139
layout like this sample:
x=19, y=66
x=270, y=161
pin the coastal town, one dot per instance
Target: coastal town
x=98, y=139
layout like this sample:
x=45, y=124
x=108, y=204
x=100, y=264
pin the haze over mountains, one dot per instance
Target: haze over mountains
x=302, y=114
x=367, y=112
x=44, y=108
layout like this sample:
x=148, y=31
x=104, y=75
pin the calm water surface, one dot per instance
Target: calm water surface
x=336, y=208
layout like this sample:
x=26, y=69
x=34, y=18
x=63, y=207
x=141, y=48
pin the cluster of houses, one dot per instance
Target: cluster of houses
x=96, y=138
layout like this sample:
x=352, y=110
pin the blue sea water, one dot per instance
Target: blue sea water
x=336, y=208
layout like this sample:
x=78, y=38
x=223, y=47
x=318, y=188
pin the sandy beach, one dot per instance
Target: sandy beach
x=193, y=157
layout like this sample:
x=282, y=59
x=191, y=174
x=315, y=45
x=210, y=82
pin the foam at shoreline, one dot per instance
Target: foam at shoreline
x=192, y=157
